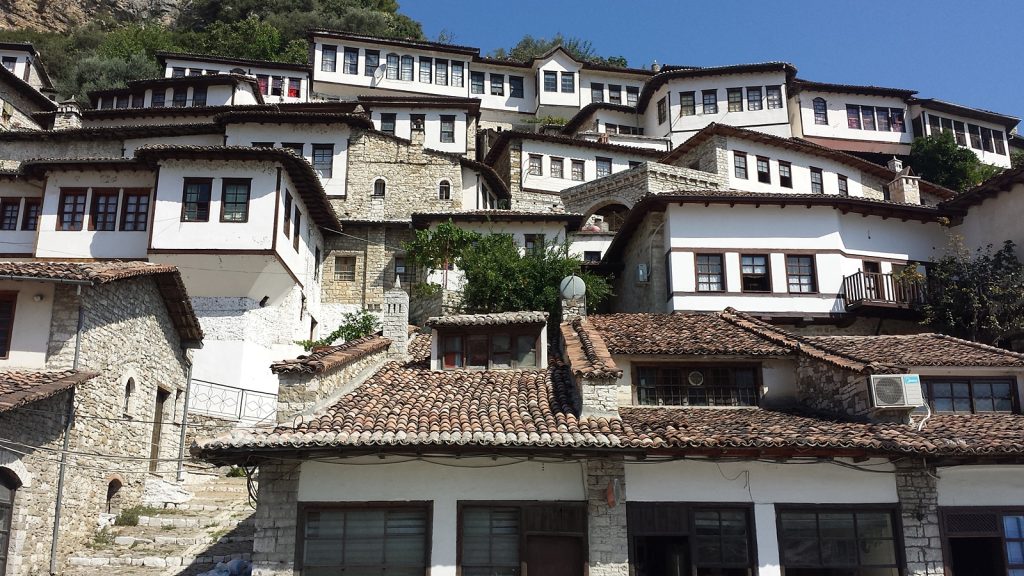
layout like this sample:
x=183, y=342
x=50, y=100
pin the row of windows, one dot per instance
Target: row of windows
x=279, y=86
x=490, y=351
x=980, y=138
x=755, y=273
x=556, y=167
x=755, y=98
x=179, y=99
x=438, y=71
x=552, y=84
x=234, y=204
x=499, y=539
x=878, y=118
x=103, y=209
x=20, y=213
x=614, y=93
x=610, y=128
x=496, y=84
x=322, y=155
x=293, y=225
x=418, y=124
x=762, y=166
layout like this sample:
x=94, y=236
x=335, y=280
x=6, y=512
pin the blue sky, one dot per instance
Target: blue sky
x=966, y=51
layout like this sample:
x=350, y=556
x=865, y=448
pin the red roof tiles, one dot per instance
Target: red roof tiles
x=586, y=351
x=681, y=334
x=918, y=350
x=20, y=387
x=332, y=357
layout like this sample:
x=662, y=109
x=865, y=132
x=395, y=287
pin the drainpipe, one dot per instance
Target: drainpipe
x=68, y=424
x=184, y=416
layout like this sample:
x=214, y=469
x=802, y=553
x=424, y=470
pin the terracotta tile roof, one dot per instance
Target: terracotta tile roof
x=681, y=334
x=408, y=404
x=167, y=278
x=918, y=350
x=1002, y=182
x=697, y=428
x=799, y=85
x=497, y=319
x=332, y=357
x=20, y=387
x=586, y=351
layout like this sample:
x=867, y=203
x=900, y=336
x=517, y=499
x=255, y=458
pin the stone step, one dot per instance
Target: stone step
x=174, y=521
x=156, y=562
x=171, y=539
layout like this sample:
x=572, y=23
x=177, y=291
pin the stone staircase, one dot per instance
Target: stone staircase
x=179, y=539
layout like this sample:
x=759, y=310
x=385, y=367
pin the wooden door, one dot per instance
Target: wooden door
x=554, y=556
x=158, y=420
x=872, y=280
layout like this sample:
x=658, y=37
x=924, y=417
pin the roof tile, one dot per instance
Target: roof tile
x=20, y=387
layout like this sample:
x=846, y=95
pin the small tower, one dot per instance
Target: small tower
x=396, y=320
x=69, y=115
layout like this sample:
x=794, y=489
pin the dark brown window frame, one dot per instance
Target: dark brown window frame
x=36, y=203
x=287, y=214
x=820, y=182
x=8, y=201
x=12, y=297
x=736, y=168
x=786, y=181
x=98, y=193
x=635, y=527
x=223, y=198
x=61, y=212
x=927, y=383
x=814, y=272
x=768, y=273
x=696, y=272
x=184, y=203
x=346, y=275
x=448, y=135
x=685, y=368
x=688, y=108
x=296, y=228
x=764, y=177
x=135, y=193
x=891, y=509
x=513, y=332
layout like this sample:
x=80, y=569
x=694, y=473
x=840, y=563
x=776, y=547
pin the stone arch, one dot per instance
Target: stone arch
x=115, y=495
x=611, y=213
x=12, y=462
x=380, y=187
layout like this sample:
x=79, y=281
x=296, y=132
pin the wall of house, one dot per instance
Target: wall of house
x=18, y=241
x=828, y=388
x=30, y=333
x=624, y=80
x=432, y=126
x=923, y=116
x=85, y=243
x=546, y=150
x=559, y=62
x=21, y=115
x=374, y=248
x=307, y=134
x=979, y=485
x=994, y=221
x=22, y=150
x=647, y=248
x=838, y=127
x=304, y=394
x=222, y=68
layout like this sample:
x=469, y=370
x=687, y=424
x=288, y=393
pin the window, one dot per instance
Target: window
x=476, y=82
x=959, y=134
x=975, y=136
x=195, y=202
x=262, y=144
x=351, y=63
x=121, y=102
x=447, y=128
x=710, y=98
x=263, y=83
x=10, y=62
x=103, y=212
x=896, y=118
x=577, y=170
x=533, y=242
x=827, y=542
x=30, y=221
x=882, y=119
x=632, y=95
x=844, y=185
x=407, y=65
x=557, y=165
x=934, y=125
x=817, y=185
x=710, y=273
x=568, y=82
x=800, y=274
x=820, y=111
x=986, y=140
x=515, y=86
x=735, y=97
x=316, y=264
x=387, y=123
x=604, y=167
x=177, y=72
x=754, y=276
x=497, y=84
x=323, y=159
x=550, y=81
x=495, y=351
x=380, y=188
x=615, y=94
x=365, y=540
x=135, y=210
x=8, y=300
x=403, y=273
x=997, y=138
x=853, y=117
x=296, y=228
x=764, y=174
x=277, y=86
x=294, y=87
x=459, y=74
x=329, y=58
x=426, y=70
x=774, y=94
x=536, y=165
x=591, y=256
x=696, y=385
x=739, y=163
x=72, y=209
x=971, y=395
x=157, y=99
x=596, y=92
x=391, y=72
x=296, y=147
x=179, y=98
x=867, y=117
x=497, y=539
x=287, y=228
x=687, y=103
x=662, y=110
x=490, y=542
x=754, y=98
x=371, y=62
x=440, y=72
x=785, y=174
x=199, y=96
x=345, y=268
x=444, y=190
x=234, y=204
x=9, y=208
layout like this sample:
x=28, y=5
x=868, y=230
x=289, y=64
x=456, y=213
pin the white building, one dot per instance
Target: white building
x=277, y=81
x=181, y=92
x=983, y=132
x=22, y=60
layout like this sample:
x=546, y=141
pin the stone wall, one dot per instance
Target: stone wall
x=645, y=246
x=273, y=551
x=628, y=186
x=537, y=201
x=411, y=172
x=825, y=387
x=127, y=335
x=606, y=524
x=307, y=393
x=919, y=511
x=22, y=150
x=711, y=156
x=374, y=247
x=21, y=118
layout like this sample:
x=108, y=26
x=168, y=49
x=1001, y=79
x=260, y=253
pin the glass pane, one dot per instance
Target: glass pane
x=961, y=390
x=874, y=525
x=501, y=351
x=476, y=351
x=526, y=351
x=962, y=405
x=734, y=550
x=706, y=523
x=505, y=550
x=708, y=549
x=836, y=525
x=877, y=552
x=322, y=552
x=1014, y=526
x=943, y=405
x=941, y=390
x=1001, y=389
x=404, y=550
x=838, y=552
x=1015, y=552
x=799, y=525
x=325, y=524
x=364, y=550
x=801, y=552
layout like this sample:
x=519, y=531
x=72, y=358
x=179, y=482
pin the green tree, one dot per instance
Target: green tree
x=102, y=73
x=529, y=48
x=354, y=325
x=145, y=38
x=440, y=248
x=1017, y=159
x=977, y=296
x=938, y=159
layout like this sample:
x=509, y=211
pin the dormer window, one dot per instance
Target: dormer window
x=504, y=341
x=697, y=385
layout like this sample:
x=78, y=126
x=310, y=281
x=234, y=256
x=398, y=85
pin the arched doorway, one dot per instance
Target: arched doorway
x=611, y=217
x=9, y=484
x=114, y=496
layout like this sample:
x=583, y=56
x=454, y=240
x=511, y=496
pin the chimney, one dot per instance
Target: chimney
x=593, y=371
x=396, y=320
x=69, y=115
x=418, y=131
x=906, y=187
x=896, y=165
x=655, y=67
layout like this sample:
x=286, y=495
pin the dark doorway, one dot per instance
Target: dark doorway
x=9, y=484
x=158, y=420
x=976, y=556
x=554, y=556
x=661, y=556
x=872, y=279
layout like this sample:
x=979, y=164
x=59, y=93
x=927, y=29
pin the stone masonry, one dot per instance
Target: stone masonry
x=302, y=393
x=374, y=248
x=273, y=552
x=919, y=511
x=606, y=520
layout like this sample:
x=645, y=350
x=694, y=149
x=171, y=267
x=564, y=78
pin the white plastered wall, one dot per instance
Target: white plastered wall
x=838, y=127
x=994, y=221
x=19, y=241
x=800, y=167
x=432, y=126
x=31, y=331
x=547, y=150
x=306, y=134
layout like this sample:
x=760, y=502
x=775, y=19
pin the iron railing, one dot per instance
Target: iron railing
x=884, y=290
x=232, y=403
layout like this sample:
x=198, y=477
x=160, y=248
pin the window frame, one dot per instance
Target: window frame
x=854, y=509
x=734, y=96
x=739, y=165
x=709, y=101
x=755, y=98
x=158, y=98
x=296, y=228
x=513, y=333
x=388, y=121
x=632, y=95
x=448, y=134
x=476, y=87
x=820, y=115
x=139, y=215
x=441, y=71
x=368, y=57
x=342, y=274
x=560, y=163
x=78, y=212
x=31, y=205
x=333, y=60
x=817, y=176
x=573, y=165
x=597, y=92
x=773, y=97
x=786, y=181
x=550, y=81
x=813, y=275
x=688, y=103
x=567, y=82
x=515, y=86
x=496, y=84
x=426, y=69
x=928, y=384
x=767, y=276
x=110, y=216
x=208, y=182
x=843, y=184
x=603, y=161
x=323, y=169
x=287, y=227
x=637, y=528
x=722, y=274
x=12, y=297
x=458, y=74
x=6, y=203
x=662, y=110
x=853, y=117
x=615, y=93
x=380, y=188
x=407, y=69
x=535, y=165
x=683, y=371
x=224, y=183
x=444, y=190
x=391, y=66
x=763, y=176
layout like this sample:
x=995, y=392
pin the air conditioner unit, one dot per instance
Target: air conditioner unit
x=896, y=391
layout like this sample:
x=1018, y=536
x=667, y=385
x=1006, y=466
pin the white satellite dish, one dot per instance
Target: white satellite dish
x=572, y=288
x=378, y=74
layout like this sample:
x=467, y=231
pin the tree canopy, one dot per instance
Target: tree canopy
x=940, y=160
x=529, y=48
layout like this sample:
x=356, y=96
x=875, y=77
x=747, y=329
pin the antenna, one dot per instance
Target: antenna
x=378, y=74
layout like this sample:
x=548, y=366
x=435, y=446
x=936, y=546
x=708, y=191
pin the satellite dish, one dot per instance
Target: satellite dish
x=572, y=288
x=378, y=74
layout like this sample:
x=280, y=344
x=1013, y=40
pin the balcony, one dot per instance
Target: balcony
x=869, y=290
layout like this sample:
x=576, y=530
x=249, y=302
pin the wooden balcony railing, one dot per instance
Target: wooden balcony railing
x=881, y=290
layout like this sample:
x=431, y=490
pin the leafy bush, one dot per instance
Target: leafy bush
x=130, y=516
x=236, y=472
x=355, y=326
